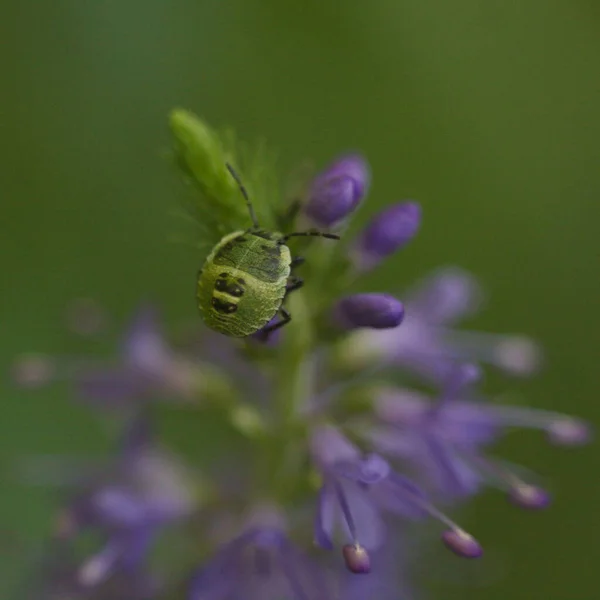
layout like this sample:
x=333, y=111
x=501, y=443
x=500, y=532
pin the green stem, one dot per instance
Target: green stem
x=293, y=371
x=294, y=387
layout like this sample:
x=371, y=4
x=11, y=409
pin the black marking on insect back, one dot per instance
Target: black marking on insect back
x=241, y=281
x=223, y=307
x=271, y=250
x=234, y=290
x=270, y=265
x=229, y=287
x=255, y=258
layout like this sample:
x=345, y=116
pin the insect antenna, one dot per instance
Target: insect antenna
x=329, y=236
x=245, y=194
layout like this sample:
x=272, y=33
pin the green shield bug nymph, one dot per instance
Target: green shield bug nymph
x=246, y=277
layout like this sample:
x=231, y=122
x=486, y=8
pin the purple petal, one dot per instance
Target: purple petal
x=325, y=516
x=461, y=377
x=365, y=518
x=136, y=546
x=562, y=430
x=118, y=507
x=516, y=355
x=376, y=311
x=329, y=446
x=337, y=191
x=388, y=232
x=218, y=578
x=402, y=406
x=369, y=470
x=305, y=579
x=399, y=495
x=467, y=425
x=445, y=296
x=455, y=477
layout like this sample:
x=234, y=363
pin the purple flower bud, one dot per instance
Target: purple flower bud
x=462, y=543
x=338, y=190
x=389, y=231
x=377, y=311
x=529, y=496
x=357, y=559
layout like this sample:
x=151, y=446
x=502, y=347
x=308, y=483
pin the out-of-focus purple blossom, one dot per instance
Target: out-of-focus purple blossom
x=375, y=311
x=260, y=564
x=445, y=441
x=128, y=503
x=337, y=191
x=60, y=575
x=388, y=232
x=147, y=368
x=144, y=486
x=427, y=345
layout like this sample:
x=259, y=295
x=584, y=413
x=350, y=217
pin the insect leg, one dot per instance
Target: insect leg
x=285, y=319
x=297, y=261
x=311, y=233
x=294, y=283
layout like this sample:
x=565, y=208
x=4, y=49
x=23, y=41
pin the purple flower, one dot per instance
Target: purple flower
x=342, y=504
x=60, y=575
x=388, y=232
x=259, y=564
x=337, y=191
x=356, y=492
x=376, y=311
x=426, y=343
x=144, y=486
x=128, y=503
x=147, y=368
x=445, y=441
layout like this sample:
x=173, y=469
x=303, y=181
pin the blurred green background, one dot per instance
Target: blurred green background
x=486, y=112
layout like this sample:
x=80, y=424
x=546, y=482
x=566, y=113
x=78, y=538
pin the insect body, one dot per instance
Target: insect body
x=246, y=277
